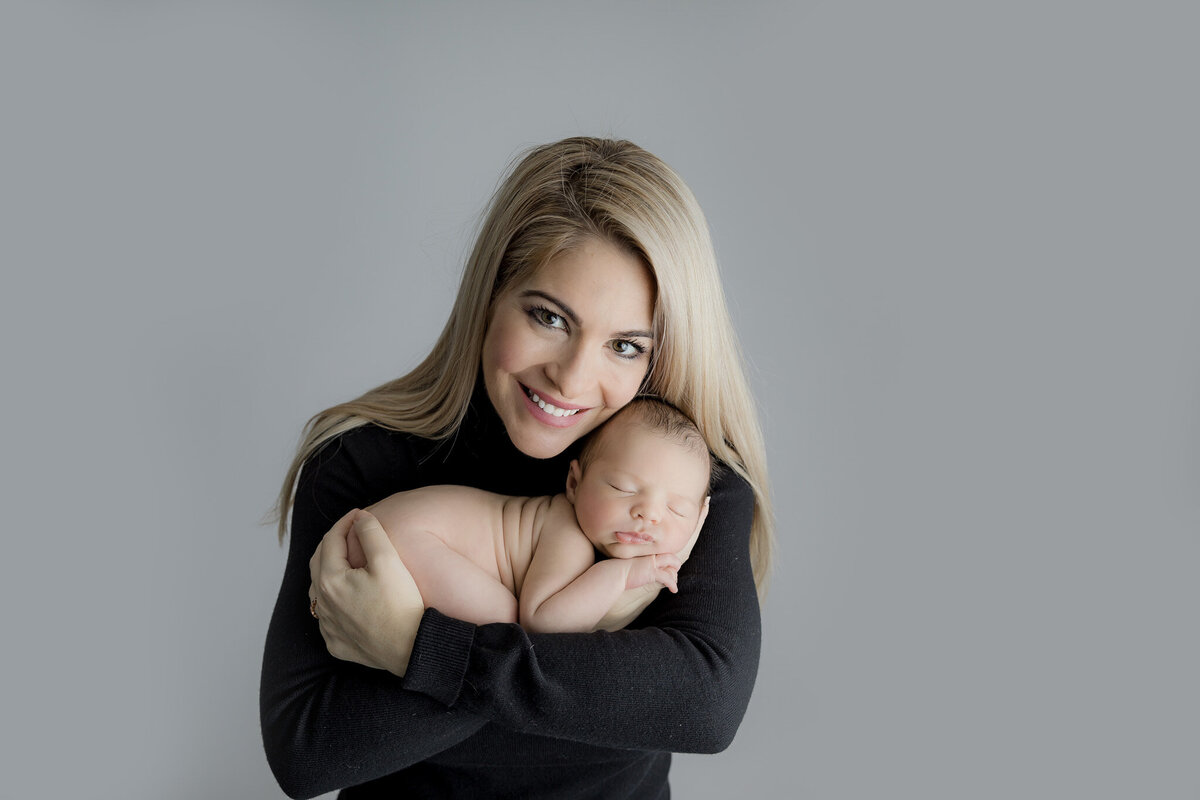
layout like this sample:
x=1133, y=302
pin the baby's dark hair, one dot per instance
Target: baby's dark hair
x=657, y=416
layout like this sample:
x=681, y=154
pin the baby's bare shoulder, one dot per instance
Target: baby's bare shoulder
x=558, y=515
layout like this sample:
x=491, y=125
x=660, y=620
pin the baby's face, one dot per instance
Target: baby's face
x=641, y=494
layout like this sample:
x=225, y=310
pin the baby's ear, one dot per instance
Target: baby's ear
x=574, y=475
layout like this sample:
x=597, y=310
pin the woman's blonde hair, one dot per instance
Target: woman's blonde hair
x=553, y=198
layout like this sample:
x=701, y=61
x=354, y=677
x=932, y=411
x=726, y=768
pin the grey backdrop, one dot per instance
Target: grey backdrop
x=959, y=241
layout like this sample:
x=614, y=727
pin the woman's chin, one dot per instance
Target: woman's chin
x=541, y=445
x=539, y=435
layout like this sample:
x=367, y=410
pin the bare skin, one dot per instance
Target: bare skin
x=485, y=557
x=565, y=334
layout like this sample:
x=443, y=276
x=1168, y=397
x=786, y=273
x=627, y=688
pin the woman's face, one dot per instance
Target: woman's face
x=568, y=347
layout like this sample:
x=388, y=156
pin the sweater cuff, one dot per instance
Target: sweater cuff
x=439, y=657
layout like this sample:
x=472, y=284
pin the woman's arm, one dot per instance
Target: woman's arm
x=326, y=723
x=680, y=682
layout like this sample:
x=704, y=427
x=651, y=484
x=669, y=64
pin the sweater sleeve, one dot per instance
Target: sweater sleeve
x=680, y=681
x=326, y=723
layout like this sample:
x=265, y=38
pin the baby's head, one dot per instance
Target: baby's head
x=641, y=480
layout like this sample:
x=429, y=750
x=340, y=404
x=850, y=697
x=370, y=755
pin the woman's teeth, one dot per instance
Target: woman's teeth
x=551, y=409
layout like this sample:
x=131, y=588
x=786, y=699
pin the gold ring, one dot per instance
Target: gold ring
x=312, y=608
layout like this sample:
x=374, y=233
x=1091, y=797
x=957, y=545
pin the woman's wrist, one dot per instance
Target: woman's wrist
x=438, y=655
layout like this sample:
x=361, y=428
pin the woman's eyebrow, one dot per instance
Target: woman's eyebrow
x=570, y=314
x=566, y=309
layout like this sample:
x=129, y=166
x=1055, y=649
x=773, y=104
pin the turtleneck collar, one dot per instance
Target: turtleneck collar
x=482, y=454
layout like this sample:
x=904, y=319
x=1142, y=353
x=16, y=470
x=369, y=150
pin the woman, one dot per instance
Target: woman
x=593, y=277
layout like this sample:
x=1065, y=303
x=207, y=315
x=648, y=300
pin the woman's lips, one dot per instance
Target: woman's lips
x=633, y=537
x=550, y=414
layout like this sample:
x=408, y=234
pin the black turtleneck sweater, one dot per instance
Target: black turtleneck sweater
x=490, y=710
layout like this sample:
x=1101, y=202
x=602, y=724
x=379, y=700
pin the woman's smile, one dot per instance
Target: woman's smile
x=559, y=415
x=570, y=346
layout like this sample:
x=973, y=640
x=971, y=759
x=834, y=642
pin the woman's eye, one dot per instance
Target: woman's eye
x=627, y=349
x=547, y=317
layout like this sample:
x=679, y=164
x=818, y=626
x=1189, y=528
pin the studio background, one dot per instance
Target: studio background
x=959, y=244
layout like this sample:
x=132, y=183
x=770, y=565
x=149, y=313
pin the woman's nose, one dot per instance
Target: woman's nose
x=573, y=373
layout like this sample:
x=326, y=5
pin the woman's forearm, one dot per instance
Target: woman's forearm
x=681, y=682
x=326, y=723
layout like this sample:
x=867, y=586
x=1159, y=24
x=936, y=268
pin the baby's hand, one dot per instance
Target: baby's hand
x=661, y=568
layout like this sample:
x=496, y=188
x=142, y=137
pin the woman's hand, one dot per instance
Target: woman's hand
x=368, y=615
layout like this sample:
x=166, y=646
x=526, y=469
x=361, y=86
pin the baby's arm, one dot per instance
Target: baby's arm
x=632, y=602
x=567, y=590
x=628, y=607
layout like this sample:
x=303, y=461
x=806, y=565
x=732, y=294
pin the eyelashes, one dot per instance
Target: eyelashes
x=547, y=318
x=632, y=348
x=627, y=349
x=619, y=490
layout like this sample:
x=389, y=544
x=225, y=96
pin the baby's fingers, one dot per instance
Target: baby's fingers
x=666, y=567
x=667, y=561
x=669, y=579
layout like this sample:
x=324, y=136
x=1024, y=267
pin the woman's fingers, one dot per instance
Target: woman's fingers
x=322, y=565
x=377, y=547
x=336, y=534
x=368, y=615
x=333, y=545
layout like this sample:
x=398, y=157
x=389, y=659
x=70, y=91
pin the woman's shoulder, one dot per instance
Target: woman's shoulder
x=731, y=509
x=372, y=457
x=730, y=487
x=371, y=441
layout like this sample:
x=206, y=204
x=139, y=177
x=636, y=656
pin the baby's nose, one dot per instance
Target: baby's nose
x=648, y=511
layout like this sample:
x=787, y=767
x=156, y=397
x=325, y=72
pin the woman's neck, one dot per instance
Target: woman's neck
x=481, y=453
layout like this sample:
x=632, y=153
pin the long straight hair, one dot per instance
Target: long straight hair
x=553, y=198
